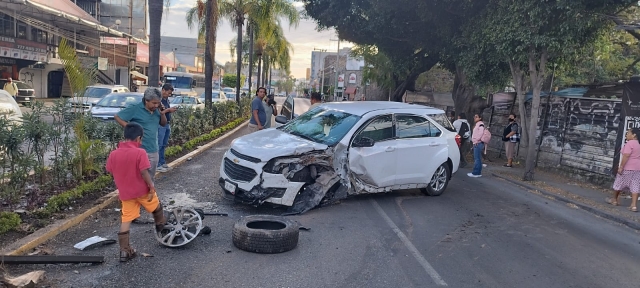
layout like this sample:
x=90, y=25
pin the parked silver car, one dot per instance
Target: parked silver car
x=111, y=104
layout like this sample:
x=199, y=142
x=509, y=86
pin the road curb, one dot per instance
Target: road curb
x=600, y=213
x=45, y=234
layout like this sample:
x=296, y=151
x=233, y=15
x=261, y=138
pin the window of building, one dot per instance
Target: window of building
x=38, y=35
x=7, y=27
x=22, y=31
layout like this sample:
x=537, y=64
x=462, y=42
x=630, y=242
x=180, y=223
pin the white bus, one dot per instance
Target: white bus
x=185, y=83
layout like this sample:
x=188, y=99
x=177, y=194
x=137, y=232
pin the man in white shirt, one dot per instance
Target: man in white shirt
x=464, y=130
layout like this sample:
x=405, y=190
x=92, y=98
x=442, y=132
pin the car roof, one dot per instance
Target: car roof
x=126, y=94
x=105, y=86
x=361, y=108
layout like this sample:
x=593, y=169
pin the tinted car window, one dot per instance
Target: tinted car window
x=119, y=100
x=443, y=120
x=287, y=107
x=409, y=126
x=380, y=129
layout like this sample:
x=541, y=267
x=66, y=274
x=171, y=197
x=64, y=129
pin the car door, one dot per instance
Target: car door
x=288, y=108
x=420, y=148
x=375, y=165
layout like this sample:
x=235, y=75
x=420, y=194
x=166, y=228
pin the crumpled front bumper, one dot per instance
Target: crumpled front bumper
x=263, y=187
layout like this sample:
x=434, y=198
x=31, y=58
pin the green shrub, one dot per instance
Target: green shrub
x=8, y=221
x=64, y=199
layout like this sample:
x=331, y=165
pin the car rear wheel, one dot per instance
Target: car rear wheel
x=439, y=181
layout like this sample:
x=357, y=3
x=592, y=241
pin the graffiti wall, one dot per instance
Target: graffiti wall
x=579, y=133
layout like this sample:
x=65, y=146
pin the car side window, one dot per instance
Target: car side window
x=410, y=126
x=380, y=129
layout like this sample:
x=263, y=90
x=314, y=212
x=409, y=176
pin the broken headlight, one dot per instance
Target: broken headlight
x=272, y=168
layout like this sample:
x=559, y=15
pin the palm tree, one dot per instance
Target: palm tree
x=206, y=14
x=156, y=8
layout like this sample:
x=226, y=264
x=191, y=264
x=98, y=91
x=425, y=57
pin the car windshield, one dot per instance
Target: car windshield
x=178, y=82
x=119, y=100
x=96, y=92
x=21, y=85
x=184, y=100
x=443, y=121
x=322, y=126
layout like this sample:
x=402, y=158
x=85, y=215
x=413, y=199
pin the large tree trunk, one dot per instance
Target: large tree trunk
x=519, y=82
x=250, y=28
x=239, y=23
x=463, y=93
x=156, y=8
x=537, y=73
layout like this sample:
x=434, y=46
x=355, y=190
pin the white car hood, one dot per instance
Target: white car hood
x=270, y=143
x=105, y=111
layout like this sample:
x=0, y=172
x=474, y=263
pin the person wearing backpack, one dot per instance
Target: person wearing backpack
x=511, y=137
x=464, y=130
x=480, y=139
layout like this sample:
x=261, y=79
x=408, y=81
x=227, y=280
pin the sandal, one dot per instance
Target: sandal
x=611, y=201
x=127, y=254
x=633, y=209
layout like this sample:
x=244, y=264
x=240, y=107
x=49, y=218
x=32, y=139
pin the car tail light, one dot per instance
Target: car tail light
x=458, y=140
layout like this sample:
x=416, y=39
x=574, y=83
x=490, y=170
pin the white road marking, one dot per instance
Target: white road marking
x=425, y=264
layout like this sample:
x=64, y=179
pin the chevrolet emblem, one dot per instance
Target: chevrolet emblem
x=236, y=161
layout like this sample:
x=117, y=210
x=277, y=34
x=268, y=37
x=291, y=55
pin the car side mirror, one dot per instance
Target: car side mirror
x=281, y=119
x=363, y=142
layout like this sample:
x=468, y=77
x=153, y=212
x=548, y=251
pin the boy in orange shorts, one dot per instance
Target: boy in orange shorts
x=129, y=166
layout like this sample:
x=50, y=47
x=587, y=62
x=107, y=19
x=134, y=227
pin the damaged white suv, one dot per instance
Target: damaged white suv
x=340, y=149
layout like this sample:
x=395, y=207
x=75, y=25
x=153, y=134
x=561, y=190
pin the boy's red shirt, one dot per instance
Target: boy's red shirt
x=125, y=164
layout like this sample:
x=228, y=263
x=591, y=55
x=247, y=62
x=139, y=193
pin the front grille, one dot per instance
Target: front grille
x=81, y=106
x=25, y=92
x=245, y=157
x=238, y=172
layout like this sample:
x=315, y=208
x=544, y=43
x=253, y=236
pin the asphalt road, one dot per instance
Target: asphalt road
x=480, y=233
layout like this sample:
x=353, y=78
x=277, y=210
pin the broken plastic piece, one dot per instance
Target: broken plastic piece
x=27, y=280
x=93, y=242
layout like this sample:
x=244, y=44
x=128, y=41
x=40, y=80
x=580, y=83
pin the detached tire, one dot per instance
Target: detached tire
x=265, y=234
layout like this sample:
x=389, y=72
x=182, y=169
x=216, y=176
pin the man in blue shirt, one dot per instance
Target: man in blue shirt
x=258, y=114
x=147, y=114
x=164, y=132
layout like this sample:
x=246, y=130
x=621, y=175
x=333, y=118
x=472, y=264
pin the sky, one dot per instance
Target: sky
x=304, y=38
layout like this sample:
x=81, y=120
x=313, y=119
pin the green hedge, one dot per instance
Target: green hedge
x=8, y=221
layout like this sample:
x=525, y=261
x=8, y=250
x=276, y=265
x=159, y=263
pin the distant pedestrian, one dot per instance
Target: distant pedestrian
x=147, y=114
x=452, y=116
x=628, y=177
x=130, y=167
x=11, y=88
x=164, y=131
x=269, y=109
x=464, y=130
x=258, y=115
x=511, y=137
x=477, y=138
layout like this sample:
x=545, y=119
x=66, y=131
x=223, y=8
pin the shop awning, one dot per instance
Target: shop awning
x=350, y=91
x=139, y=76
x=52, y=11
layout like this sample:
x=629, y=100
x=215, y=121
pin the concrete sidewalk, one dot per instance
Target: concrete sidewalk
x=576, y=194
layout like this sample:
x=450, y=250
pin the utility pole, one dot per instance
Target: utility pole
x=335, y=90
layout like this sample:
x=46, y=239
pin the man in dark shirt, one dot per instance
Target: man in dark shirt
x=164, y=132
x=258, y=114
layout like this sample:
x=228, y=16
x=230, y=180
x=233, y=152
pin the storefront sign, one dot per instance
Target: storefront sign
x=23, y=49
x=352, y=78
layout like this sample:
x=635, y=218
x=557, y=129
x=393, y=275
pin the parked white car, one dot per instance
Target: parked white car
x=92, y=95
x=9, y=108
x=340, y=149
x=216, y=97
x=187, y=102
